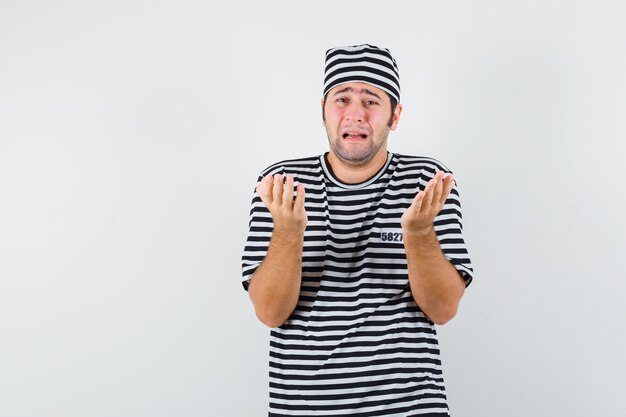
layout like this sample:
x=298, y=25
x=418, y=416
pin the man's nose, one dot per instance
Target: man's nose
x=355, y=112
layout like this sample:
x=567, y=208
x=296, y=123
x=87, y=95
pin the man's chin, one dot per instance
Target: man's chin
x=351, y=157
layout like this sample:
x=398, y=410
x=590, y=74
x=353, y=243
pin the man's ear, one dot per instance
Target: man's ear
x=396, y=116
x=323, y=117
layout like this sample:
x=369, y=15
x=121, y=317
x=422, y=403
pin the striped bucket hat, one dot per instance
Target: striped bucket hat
x=362, y=63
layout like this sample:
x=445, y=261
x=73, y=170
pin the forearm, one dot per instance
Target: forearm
x=275, y=285
x=436, y=285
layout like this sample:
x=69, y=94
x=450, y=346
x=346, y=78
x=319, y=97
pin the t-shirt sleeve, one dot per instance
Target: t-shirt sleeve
x=260, y=227
x=449, y=228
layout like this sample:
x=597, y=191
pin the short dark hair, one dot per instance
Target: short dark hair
x=393, y=101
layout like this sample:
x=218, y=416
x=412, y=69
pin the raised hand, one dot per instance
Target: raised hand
x=288, y=214
x=418, y=218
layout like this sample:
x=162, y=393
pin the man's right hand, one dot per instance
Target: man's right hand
x=289, y=216
x=275, y=285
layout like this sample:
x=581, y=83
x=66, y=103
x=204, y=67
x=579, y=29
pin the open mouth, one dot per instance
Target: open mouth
x=349, y=135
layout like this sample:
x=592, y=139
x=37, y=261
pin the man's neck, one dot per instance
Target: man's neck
x=351, y=174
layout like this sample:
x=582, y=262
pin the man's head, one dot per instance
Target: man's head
x=360, y=104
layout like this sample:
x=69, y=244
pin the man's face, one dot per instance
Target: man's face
x=357, y=121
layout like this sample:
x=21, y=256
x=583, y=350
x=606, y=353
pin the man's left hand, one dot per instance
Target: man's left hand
x=418, y=218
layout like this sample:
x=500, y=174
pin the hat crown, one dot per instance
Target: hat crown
x=362, y=63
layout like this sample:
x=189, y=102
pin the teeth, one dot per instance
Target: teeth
x=363, y=135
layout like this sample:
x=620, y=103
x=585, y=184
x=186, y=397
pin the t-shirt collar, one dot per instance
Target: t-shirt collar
x=332, y=177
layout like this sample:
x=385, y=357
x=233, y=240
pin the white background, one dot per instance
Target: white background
x=131, y=136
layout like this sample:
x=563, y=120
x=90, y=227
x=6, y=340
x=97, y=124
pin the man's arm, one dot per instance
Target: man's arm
x=275, y=286
x=436, y=285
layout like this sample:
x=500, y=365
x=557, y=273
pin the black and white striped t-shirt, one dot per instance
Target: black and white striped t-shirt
x=356, y=344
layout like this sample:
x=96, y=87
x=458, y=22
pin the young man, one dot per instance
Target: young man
x=353, y=276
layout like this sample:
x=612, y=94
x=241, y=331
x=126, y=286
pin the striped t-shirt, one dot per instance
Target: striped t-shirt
x=356, y=344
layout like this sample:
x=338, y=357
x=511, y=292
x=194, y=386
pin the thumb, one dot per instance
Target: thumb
x=261, y=196
x=416, y=204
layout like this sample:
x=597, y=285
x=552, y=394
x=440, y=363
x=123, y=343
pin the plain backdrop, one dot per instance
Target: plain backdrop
x=131, y=137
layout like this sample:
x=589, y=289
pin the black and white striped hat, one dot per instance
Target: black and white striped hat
x=362, y=63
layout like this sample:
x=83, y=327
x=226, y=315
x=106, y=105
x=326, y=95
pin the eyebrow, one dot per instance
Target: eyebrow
x=361, y=91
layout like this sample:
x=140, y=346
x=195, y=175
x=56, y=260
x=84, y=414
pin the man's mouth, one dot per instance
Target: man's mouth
x=354, y=135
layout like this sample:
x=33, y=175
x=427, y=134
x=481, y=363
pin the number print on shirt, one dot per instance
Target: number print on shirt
x=391, y=237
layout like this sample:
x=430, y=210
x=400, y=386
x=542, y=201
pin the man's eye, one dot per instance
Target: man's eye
x=371, y=102
x=341, y=100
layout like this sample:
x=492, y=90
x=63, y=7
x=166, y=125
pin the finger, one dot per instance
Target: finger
x=263, y=189
x=299, y=203
x=417, y=202
x=447, y=188
x=278, y=187
x=259, y=190
x=288, y=191
x=428, y=193
x=438, y=188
